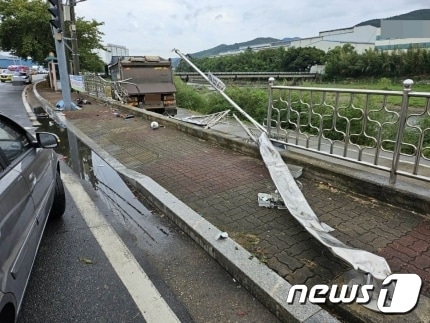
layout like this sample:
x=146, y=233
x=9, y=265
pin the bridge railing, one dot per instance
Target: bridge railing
x=251, y=75
x=387, y=130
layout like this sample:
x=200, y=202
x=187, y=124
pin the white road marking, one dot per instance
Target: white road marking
x=146, y=296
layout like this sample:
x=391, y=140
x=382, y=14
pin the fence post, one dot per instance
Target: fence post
x=269, y=108
x=97, y=85
x=407, y=87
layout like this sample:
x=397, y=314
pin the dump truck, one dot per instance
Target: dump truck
x=145, y=82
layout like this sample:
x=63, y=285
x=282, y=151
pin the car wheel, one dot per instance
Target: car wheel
x=59, y=204
x=7, y=314
x=2, y=81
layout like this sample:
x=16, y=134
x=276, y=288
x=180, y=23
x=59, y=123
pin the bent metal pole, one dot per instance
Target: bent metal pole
x=246, y=115
x=364, y=262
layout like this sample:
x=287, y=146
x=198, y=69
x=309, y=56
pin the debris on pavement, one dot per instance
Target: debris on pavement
x=124, y=116
x=85, y=261
x=81, y=101
x=221, y=236
x=271, y=201
x=59, y=106
x=207, y=121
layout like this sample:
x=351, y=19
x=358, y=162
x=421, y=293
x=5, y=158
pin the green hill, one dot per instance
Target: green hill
x=225, y=48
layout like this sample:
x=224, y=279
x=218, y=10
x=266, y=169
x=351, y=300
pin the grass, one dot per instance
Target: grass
x=359, y=118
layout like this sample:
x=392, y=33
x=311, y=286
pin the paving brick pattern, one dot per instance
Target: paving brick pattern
x=222, y=186
x=411, y=253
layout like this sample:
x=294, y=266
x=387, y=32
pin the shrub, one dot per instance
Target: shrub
x=188, y=98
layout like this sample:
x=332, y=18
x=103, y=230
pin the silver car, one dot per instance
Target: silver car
x=21, y=78
x=31, y=191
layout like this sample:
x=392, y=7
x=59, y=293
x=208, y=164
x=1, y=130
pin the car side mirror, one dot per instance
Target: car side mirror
x=47, y=139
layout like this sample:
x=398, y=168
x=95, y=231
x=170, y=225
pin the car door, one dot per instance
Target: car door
x=33, y=173
x=16, y=224
x=39, y=170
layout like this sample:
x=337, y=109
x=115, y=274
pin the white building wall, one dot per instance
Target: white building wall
x=327, y=45
x=361, y=38
x=307, y=42
x=335, y=32
x=112, y=50
x=361, y=34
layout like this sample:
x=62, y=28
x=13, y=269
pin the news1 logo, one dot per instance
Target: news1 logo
x=400, y=299
x=405, y=296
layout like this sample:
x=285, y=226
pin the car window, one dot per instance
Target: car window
x=13, y=143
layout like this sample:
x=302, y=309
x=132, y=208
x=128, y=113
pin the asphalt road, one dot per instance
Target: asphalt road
x=11, y=103
x=74, y=278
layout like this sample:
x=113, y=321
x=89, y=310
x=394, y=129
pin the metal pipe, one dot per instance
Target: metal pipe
x=269, y=108
x=407, y=87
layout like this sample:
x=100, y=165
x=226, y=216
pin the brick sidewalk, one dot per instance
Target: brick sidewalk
x=222, y=186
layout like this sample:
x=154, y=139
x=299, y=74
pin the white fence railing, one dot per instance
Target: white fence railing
x=388, y=130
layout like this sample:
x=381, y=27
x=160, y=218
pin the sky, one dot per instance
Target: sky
x=156, y=27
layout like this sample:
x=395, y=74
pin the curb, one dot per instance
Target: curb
x=30, y=112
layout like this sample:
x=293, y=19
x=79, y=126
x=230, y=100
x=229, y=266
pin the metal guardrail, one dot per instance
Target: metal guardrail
x=100, y=88
x=97, y=86
x=388, y=130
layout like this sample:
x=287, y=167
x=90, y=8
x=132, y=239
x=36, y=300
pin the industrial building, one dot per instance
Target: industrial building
x=112, y=50
x=391, y=35
x=6, y=59
x=403, y=34
x=361, y=38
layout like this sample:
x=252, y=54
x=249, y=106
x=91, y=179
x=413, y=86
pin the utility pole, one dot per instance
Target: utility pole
x=74, y=37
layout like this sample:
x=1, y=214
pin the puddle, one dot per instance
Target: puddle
x=108, y=184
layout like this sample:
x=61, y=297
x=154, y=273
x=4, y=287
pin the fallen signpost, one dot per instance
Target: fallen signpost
x=370, y=269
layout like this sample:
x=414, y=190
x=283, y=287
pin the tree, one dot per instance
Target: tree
x=89, y=40
x=372, y=62
x=19, y=35
x=343, y=62
x=18, y=32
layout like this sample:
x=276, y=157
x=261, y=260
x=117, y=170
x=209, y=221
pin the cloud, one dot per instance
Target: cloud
x=157, y=27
